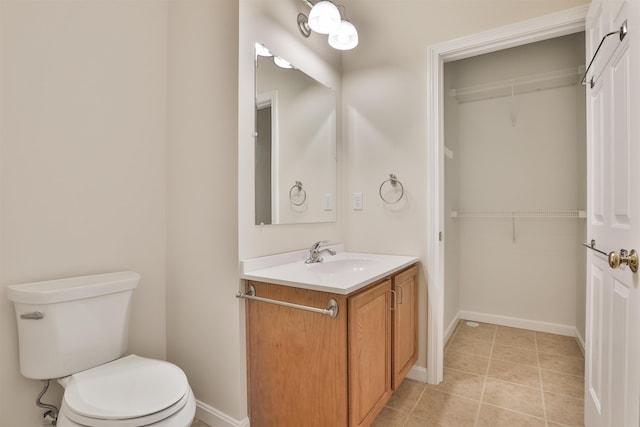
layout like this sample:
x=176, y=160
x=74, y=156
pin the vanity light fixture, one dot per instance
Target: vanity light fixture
x=303, y=25
x=261, y=50
x=281, y=62
x=345, y=38
x=325, y=18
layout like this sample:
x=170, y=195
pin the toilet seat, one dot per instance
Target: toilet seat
x=128, y=392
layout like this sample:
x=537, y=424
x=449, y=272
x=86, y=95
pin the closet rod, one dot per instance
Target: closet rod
x=519, y=85
x=520, y=214
x=331, y=310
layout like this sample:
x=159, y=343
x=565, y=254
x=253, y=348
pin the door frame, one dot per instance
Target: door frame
x=558, y=24
x=270, y=99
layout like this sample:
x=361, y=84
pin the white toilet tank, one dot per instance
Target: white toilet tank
x=69, y=325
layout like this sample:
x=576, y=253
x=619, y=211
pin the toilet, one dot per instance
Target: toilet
x=75, y=330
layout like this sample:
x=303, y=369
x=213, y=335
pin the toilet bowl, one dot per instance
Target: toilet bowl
x=75, y=330
x=128, y=392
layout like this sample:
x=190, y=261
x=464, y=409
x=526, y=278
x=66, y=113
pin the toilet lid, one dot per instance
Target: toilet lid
x=130, y=387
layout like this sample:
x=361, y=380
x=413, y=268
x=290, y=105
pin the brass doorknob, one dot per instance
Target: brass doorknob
x=616, y=259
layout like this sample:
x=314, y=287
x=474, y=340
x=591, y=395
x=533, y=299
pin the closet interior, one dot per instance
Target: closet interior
x=515, y=187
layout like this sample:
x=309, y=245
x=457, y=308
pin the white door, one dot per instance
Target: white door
x=612, y=371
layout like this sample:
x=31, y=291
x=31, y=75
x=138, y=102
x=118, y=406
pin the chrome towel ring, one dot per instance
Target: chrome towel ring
x=300, y=193
x=395, y=186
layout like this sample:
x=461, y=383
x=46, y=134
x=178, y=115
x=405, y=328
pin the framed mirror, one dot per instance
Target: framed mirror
x=295, y=144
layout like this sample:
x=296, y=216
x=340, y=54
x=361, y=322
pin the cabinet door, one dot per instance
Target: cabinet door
x=405, y=324
x=369, y=353
x=297, y=360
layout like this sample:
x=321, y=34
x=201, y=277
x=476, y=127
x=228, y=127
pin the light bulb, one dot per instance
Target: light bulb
x=324, y=17
x=345, y=38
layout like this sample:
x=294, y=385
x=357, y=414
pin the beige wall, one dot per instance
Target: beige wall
x=204, y=319
x=83, y=103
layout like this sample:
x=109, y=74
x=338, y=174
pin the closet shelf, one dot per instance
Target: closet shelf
x=520, y=85
x=520, y=214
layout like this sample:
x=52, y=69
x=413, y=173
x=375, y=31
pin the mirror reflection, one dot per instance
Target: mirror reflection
x=295, y=145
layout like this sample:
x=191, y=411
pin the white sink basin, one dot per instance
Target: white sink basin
x=342, y=266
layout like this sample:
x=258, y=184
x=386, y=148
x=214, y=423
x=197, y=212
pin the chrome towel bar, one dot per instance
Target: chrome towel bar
x=331, y=310
x=592, y=246
x=622, y=33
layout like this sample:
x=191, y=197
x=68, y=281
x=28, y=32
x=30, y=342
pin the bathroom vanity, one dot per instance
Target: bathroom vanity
x=329, y=367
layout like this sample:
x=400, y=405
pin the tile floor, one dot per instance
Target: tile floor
x=494, y=376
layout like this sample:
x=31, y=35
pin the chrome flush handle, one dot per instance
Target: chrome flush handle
x=34, y=315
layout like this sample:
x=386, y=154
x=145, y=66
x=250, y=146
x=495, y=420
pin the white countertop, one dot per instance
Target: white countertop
x=343, y=273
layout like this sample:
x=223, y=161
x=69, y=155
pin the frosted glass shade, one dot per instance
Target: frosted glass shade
x=281, y=62
x=261, y=50
x=324, y=17
x=345, y=38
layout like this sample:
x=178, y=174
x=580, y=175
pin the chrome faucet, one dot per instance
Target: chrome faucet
x=315, y=252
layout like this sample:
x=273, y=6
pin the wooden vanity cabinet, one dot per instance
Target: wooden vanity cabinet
x=405, y=324
x=296, y=360
x=306, y=369
x=369, y=353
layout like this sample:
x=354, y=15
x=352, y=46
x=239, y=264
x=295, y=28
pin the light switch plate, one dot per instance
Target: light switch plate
x=327, y=202
x=357, y=201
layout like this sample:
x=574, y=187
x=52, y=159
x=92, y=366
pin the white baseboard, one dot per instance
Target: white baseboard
x=514, y=322
x=581, y=342
x=216, y=418
x=452, y=327
x=418, y=373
